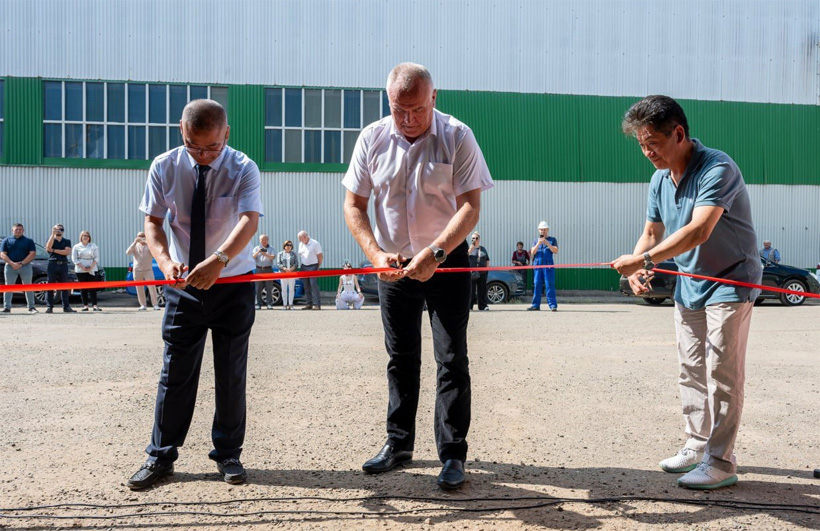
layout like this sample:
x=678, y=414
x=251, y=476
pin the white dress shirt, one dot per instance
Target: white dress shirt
x=415, y=185
x=309, y=253
x=85, y=255
x=232, y=187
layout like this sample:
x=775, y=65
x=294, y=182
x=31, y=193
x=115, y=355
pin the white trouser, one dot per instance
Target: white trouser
x=349, y=297
x=288, y=288
x=712, y=356
x=145, y=274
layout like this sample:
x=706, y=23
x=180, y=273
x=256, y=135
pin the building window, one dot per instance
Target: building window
x=2, y=116
x=103, y=120
x=318, y=125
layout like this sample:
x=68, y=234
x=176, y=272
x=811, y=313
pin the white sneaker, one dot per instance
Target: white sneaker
x=707, y=477
x=141, y=309
x=685, y=460
x=157, y=308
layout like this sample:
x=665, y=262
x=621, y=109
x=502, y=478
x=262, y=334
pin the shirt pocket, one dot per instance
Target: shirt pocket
x=437, y=178
x=223, y=208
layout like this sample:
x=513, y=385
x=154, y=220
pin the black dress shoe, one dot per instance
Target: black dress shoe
x=149, y=473
x=232, y=471
x=817, y=472
x=451, y=475
x=69, y=310
x=386, y=459
x=49, y=310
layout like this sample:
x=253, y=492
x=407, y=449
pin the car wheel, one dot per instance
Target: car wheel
x=654, y=301
x=789, y=299
x=497, y=293
x=160, y=295
x=276, y=294
x=40, y=296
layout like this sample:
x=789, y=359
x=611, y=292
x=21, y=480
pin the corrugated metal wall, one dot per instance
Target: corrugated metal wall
x=592, y=221
x=735, y=50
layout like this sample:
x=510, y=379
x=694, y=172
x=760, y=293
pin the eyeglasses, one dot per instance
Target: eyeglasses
x=194, y=150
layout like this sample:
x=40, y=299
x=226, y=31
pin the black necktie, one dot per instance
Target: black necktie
x=196, y=253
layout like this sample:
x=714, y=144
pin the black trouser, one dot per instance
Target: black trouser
x=88, y=294
x=478, y=291
x=402, y=304
x=227, y=310
x=57, y=272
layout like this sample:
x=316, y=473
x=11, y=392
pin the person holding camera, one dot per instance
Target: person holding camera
x=143, y=267
x=542, y=252
x=264, y=265
x=58, y=249
x=478, y=258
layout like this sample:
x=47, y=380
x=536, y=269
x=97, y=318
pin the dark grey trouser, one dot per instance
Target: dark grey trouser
x=311, y=286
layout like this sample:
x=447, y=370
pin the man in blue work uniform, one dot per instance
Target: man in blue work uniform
x=542, y=252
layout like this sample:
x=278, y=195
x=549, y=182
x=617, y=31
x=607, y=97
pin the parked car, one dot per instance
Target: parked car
x=501, y=285
x=39, y=274
x=775, y=275
x=276, y=296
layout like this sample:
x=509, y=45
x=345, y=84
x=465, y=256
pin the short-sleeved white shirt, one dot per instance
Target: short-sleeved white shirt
x=232, y=187
x=415, y=185
x=309, y=252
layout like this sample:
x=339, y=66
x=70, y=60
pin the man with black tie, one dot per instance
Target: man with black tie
x=426, y=172
x=210, y=194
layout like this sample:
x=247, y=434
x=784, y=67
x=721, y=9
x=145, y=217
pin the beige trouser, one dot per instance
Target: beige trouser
x=712, y=356
x=145, y=274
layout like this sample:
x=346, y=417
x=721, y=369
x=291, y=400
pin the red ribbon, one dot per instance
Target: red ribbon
x=363, y=271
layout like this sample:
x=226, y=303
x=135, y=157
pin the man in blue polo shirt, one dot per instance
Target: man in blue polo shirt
x=699, y=196
x=18, y=252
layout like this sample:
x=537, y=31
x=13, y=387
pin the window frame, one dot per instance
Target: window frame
x=126, y=124
x=322, y=129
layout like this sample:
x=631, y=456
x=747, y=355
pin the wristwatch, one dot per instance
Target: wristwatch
x=438, y=253
x=648, y=264
x=222, y=257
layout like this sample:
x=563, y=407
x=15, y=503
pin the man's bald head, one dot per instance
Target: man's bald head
x=204, y=115
x=409, y=78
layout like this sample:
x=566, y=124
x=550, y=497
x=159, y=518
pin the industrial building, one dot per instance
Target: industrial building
x=92, y=90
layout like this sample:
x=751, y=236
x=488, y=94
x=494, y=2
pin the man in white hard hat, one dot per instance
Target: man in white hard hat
x=542, y=251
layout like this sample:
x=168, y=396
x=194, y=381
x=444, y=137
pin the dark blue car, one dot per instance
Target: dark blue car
x=276, y=296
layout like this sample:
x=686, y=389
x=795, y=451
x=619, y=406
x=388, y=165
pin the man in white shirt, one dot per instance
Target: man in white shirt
x=264, y=264
x=143, y=269
x=310, y=254
x=426, y=172
x=209, y=193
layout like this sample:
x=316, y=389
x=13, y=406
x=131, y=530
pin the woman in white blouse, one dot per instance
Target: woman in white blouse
x=86, y=257
x=287, y=262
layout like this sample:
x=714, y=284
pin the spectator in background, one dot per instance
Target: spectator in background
x=769, y=253
x=264, y=264
x=521, y=257
x=58, y=249
x=542, y=252
x=478, y=258
x=287, y=262
x=349, y=291
x=18, y=252
x=310, y=255
x=143, y=268
x=86, y=257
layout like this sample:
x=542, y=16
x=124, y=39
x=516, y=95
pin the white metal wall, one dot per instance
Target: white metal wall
x=593, y=222
x=737, y=50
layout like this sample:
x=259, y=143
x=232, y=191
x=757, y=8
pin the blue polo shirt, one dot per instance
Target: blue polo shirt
x=711, y=179
x=18, y=248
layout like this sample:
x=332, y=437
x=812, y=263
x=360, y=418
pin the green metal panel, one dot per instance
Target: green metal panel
x=246, y=116
x=548, y=137
x=24, y=121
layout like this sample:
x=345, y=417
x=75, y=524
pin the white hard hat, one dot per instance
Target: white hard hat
x=543, y=225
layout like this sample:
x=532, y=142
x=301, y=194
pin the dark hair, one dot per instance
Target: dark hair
x=662, y=113
x=204, y=115
x=15, y=225
x=519, y=243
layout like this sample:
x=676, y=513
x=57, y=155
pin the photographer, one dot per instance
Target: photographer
x=542, y=251
x=478, y=258
x=58, y=250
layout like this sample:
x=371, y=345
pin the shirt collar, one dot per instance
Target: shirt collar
x=215, y=165
x=697, y=154
x=431, y=131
